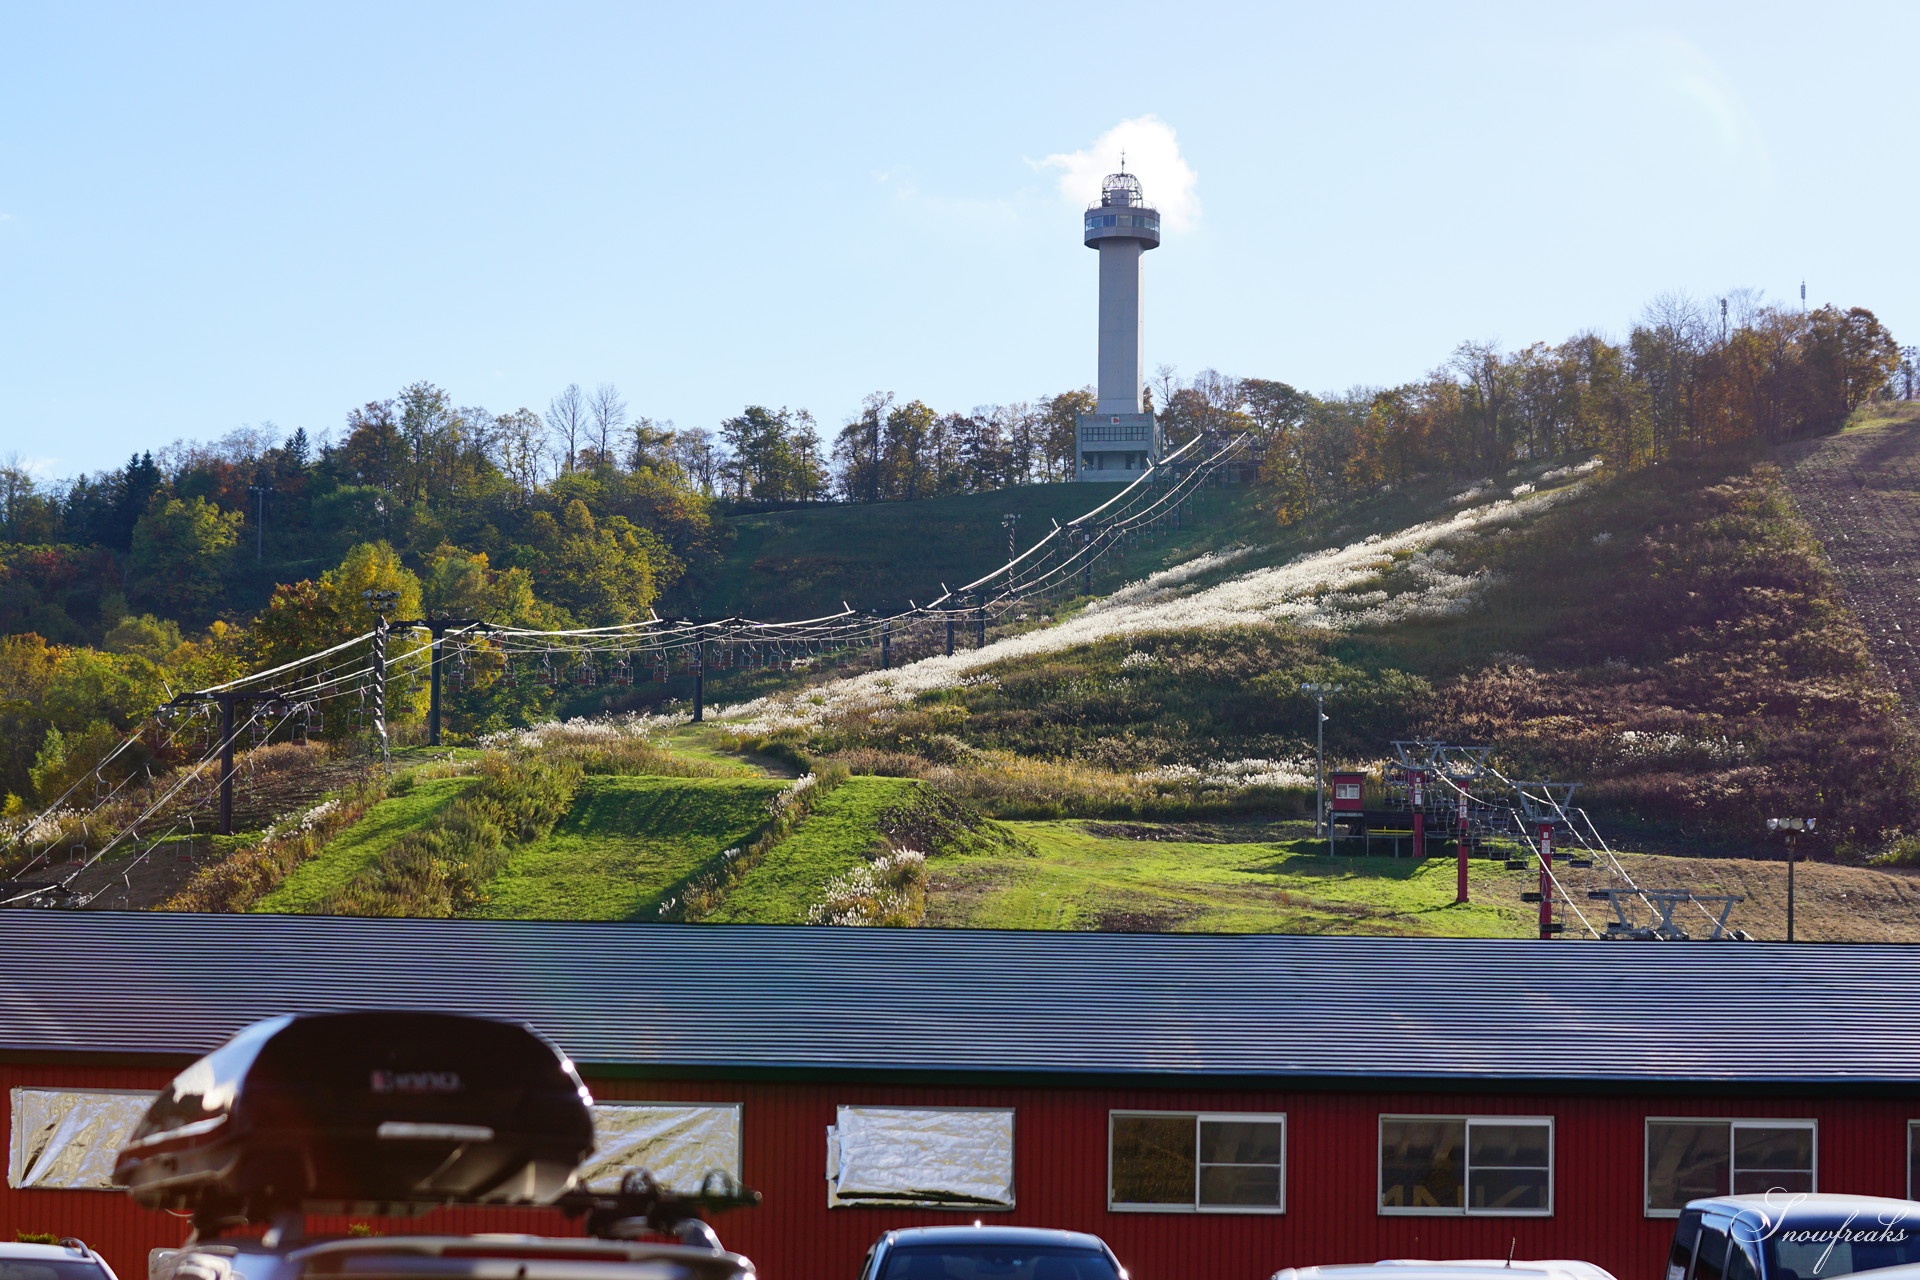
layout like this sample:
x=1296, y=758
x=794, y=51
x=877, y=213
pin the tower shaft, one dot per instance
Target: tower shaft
x=1120, y=372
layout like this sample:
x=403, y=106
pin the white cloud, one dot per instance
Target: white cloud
x=1716, y=109
x=974, y=211
x=1153, y=155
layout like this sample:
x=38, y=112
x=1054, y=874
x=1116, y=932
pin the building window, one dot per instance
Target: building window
x=1346, y=791
x=1694, y=1159
x=1196, y=1162
x=1913, y=1157
x=1496, y=1165
x=921, y=1157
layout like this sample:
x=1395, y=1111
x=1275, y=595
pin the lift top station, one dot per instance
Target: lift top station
x=1118, y=441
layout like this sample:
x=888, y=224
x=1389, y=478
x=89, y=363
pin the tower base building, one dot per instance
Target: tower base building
x=1115, y=446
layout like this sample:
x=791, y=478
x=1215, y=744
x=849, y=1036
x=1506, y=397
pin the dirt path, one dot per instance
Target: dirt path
x=270, y=784
x=1860, y=492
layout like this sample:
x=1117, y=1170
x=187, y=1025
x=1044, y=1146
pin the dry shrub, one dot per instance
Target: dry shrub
x=443, y=870
x=237, y=882
x=1009, y=786
x=890, y=891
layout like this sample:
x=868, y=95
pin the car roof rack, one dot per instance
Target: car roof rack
x=643, y=1205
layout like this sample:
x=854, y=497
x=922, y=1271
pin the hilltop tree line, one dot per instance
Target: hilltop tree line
x=196, y=561
x=1684, y=380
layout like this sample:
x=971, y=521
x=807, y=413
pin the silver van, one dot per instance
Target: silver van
x=1792, y=1236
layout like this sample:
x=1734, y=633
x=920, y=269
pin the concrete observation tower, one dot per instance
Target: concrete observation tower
x=1117, y=442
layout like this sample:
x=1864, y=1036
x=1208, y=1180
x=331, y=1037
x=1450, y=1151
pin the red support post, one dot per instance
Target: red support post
x=1460, y=885
x=1544, y=832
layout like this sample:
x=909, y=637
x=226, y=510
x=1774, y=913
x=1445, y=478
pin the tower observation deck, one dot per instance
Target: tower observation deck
x=1117, y=441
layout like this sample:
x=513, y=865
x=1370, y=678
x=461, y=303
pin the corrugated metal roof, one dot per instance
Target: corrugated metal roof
x=922, y=1000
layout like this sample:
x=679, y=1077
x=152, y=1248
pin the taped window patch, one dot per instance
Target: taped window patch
x=937, y=1157
x=680, y=1144
x=66, y=1139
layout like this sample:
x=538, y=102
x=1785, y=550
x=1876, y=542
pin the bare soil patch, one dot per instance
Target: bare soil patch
x=1860, y=493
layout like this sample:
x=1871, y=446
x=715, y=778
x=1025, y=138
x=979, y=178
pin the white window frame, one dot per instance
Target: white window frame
x=1913, y=1131
x=1255, y=1117
x=1465, y=1210
x=1733, y=1123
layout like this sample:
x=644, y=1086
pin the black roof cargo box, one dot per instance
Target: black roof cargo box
x=368, y=1112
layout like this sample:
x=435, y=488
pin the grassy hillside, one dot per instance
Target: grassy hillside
x=1241, y=877
x=1079, y=878
x=804, y=563
x=626, y=844
x=1672, y=639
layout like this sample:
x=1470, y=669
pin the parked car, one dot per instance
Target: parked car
x=1791, y=1236
x=990, y=1253
x=426, y=1257
x=1469, y=1269
x=68, y=1260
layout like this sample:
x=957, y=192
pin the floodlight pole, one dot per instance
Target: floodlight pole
x=1460, y=880
x=259, y=492
x=699, y=681
x=1417, y=794
x=1543, y=832
x=1319, y=694
x=1793, y=827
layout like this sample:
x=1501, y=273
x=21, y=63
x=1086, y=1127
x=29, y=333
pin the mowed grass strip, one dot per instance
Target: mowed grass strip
x=1082, y=881
x=625, y=845
x=697, y=742
x=360, y=845
x=835, y=838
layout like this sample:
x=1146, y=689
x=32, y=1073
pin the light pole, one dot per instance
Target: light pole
x=259, y=492
x=1793, y=827
x=1319, y=692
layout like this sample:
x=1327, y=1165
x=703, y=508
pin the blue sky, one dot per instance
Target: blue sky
x=214, y=216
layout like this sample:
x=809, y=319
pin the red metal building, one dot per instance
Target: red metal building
x=1348, y=1099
